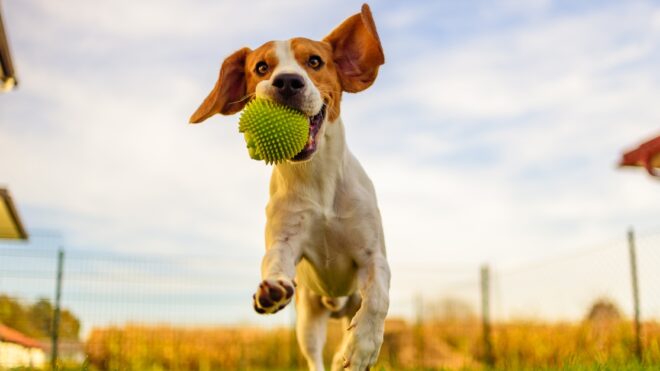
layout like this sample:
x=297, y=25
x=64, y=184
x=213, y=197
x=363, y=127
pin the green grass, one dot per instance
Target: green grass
x=611, y=366
x=594, y=367
x=576, y=367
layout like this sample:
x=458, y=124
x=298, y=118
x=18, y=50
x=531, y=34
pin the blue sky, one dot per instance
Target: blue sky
x=491, y=134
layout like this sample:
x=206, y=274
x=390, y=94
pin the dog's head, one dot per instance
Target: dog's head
x=304, y=74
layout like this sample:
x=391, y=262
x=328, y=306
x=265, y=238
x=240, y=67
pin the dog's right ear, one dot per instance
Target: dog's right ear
x=227, y=96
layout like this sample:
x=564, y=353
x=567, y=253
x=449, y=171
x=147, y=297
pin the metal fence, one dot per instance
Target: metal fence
x=161, y=296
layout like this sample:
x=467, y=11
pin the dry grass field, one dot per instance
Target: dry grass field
x=519, y=345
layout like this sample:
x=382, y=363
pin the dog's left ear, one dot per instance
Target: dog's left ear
x=357, y=52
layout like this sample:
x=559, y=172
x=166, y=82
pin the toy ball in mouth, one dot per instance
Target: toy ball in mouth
x=273, y=132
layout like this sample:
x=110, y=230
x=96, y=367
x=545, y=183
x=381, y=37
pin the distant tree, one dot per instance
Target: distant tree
x=36, y=320
x=69, y=325
x=13, y=314
x=604, y=310
x=41, y=314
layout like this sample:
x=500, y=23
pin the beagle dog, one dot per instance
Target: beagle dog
x=323, y=224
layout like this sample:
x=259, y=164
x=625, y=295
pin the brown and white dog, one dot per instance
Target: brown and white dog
x=323, y=223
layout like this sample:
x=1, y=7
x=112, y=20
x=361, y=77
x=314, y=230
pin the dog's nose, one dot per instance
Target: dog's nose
x=289, y=84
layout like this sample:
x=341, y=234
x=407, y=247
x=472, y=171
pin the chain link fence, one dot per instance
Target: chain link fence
x=193, y=313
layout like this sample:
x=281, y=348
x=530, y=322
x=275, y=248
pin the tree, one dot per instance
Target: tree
x=36, y=320
x=14, y=315
x=41, y=314
x=69, y=325
x=604, y=310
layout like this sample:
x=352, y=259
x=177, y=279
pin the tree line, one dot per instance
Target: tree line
x=36, y=319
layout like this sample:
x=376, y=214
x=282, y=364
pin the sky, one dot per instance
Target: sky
x=491, y=134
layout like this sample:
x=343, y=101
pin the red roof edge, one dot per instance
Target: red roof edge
x=646, y=155
x=9, y=335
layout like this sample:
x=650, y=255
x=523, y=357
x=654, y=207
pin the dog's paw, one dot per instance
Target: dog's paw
x=272, y=295
x=363, y=344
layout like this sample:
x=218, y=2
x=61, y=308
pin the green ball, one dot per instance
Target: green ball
x=273, y=132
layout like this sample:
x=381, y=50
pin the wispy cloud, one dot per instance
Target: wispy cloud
x=491, y=134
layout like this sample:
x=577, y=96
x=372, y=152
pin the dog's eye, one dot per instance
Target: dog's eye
x=261, y=68
x=315, y=62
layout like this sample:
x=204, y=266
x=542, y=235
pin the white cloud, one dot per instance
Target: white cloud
x=499, y=148
x=553, y=65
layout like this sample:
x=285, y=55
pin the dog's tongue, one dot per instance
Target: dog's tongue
x=315, y=123
x=311, y=143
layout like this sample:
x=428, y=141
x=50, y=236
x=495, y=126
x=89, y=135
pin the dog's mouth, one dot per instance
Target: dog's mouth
x=315, y=123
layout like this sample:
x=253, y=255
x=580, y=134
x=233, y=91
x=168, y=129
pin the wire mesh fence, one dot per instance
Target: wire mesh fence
x=187, y=312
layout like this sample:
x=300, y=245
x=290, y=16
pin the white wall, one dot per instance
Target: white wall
x=14, y=355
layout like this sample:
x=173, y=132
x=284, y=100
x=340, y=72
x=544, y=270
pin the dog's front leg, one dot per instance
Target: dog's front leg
x=365, y=333
x=284, y=236
x=277, y=286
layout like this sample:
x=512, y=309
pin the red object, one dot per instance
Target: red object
x=9, y=335
x=647, y=155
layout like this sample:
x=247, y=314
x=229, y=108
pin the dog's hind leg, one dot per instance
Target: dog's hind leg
x=366, y=330
x=346, y=313
x=311, y=327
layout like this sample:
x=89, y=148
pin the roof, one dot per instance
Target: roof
x=646, y=155
x=10, y=223
x=9, y=335
x=7, y=73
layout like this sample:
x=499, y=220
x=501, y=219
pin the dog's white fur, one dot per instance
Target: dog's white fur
x=327, y=210
x=324, y=229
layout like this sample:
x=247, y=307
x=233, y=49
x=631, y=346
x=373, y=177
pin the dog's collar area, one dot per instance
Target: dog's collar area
x=315, y=123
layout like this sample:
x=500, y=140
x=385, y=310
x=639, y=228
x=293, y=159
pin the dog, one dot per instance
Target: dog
x=323, y=225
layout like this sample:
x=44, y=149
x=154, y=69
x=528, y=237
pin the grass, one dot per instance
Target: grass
x=613, y=366
x=438, y=345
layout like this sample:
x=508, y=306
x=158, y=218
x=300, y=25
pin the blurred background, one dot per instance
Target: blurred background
x=492, y=134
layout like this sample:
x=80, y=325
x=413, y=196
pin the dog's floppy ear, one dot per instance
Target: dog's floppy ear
x=230, y=89
x=357, y=52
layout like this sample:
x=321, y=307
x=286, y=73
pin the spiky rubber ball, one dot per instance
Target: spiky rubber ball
x=273, y=132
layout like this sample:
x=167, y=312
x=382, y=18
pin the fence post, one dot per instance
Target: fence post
x=56, y=315
x=485, y=316
x=635, y=290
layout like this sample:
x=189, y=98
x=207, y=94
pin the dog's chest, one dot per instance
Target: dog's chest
x=327, y=266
